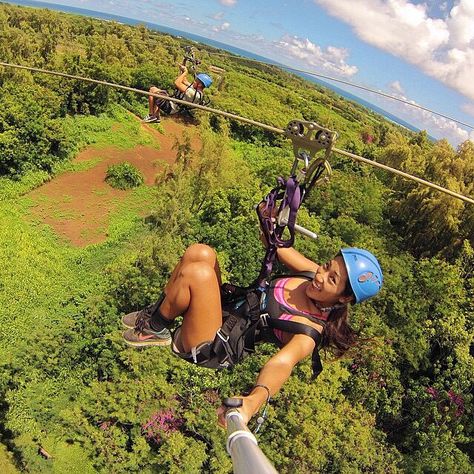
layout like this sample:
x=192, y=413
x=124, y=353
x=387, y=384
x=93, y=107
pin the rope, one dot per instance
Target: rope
x=351, y=84
x=241, y=119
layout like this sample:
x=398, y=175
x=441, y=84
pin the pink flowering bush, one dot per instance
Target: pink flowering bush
x=161, y=424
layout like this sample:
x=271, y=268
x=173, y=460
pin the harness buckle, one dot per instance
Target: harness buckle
x=194, y=354
x=222, y=335
x=264, y=318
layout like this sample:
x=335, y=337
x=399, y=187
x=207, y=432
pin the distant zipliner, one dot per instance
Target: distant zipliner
x=300, y=312
x=192, y=92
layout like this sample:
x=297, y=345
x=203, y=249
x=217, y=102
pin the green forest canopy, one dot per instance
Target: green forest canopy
x=402, y=400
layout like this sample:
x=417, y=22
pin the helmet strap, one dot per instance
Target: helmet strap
x=325, y=309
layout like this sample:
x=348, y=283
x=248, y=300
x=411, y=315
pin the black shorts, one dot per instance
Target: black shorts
x=201, y=355
x=164, y=105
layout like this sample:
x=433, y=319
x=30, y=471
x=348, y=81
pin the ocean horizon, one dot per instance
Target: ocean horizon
x=218, y=45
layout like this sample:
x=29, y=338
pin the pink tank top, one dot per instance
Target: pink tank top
x=279, y=295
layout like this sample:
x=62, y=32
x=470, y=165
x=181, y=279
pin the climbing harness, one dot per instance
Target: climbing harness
x=245, y=323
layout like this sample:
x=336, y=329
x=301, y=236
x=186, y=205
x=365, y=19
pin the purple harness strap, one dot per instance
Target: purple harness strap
x=290, y=193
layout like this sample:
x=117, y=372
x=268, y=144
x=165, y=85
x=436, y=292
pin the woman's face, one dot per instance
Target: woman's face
x=329, y=283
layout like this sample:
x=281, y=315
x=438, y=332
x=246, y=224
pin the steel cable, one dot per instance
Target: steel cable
x=351, y=84
x=244, y=120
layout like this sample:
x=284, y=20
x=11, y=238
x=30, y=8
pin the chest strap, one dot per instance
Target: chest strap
x=294, y=327
x=310, y=317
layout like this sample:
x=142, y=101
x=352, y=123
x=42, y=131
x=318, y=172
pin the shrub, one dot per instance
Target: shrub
x=124, y=176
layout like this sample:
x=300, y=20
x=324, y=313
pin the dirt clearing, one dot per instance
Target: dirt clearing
x=78, y=204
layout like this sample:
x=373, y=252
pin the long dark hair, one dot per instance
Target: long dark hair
x=338, y=333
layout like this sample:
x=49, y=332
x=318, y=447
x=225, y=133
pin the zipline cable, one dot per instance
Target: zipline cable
x=244, y=120
x=348, y=83
x=139, y=91
x=403, y=174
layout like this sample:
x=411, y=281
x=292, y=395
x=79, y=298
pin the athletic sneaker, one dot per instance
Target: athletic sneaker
x=130, y=319
x=151, y=119
x=140, y=332
x=148, y=337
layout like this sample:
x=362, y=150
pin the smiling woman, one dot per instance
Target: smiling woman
x=353, y=276
x=221, y=323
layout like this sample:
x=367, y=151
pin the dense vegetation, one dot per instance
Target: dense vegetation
x=402, y=400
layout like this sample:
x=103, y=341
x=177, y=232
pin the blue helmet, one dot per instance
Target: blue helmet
x=365, y=274
x=205, y=79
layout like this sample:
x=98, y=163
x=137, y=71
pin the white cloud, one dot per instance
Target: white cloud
x=468, y=108
x=218, y=16
x=439, y=126
x=442, y=48
x=224, y=26
x=331, y=59
x=228, y=3
x=461, y=25
x=396, y=87
x=435, y=125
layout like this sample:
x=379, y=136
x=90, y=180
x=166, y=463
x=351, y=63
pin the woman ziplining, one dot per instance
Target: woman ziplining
x=192, y=92
x=185, y=90
x=300, y=312
x=317, y=301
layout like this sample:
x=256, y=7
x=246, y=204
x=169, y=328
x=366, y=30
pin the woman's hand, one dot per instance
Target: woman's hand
x=265, y=214
x=183, y=68
x=247, y=410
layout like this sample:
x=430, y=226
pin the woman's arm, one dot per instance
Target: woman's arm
x=296, y=261
x=181, y=83
x=273, y=375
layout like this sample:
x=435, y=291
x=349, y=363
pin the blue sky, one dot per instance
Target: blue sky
x=419, y=51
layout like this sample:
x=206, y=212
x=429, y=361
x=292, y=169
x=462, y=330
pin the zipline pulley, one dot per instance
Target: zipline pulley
x=277, y=211
x=190, y=56
x=308, y=139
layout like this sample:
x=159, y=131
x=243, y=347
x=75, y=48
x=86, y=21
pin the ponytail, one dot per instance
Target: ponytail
x=338, y=334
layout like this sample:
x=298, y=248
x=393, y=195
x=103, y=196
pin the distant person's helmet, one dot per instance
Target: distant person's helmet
x=205, y=79
x=365, y=274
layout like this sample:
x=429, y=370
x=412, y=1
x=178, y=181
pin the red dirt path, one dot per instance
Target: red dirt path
x=77, y=205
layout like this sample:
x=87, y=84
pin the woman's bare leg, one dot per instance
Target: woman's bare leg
x=196, y=253
x=193, y=291
x=153, y=109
